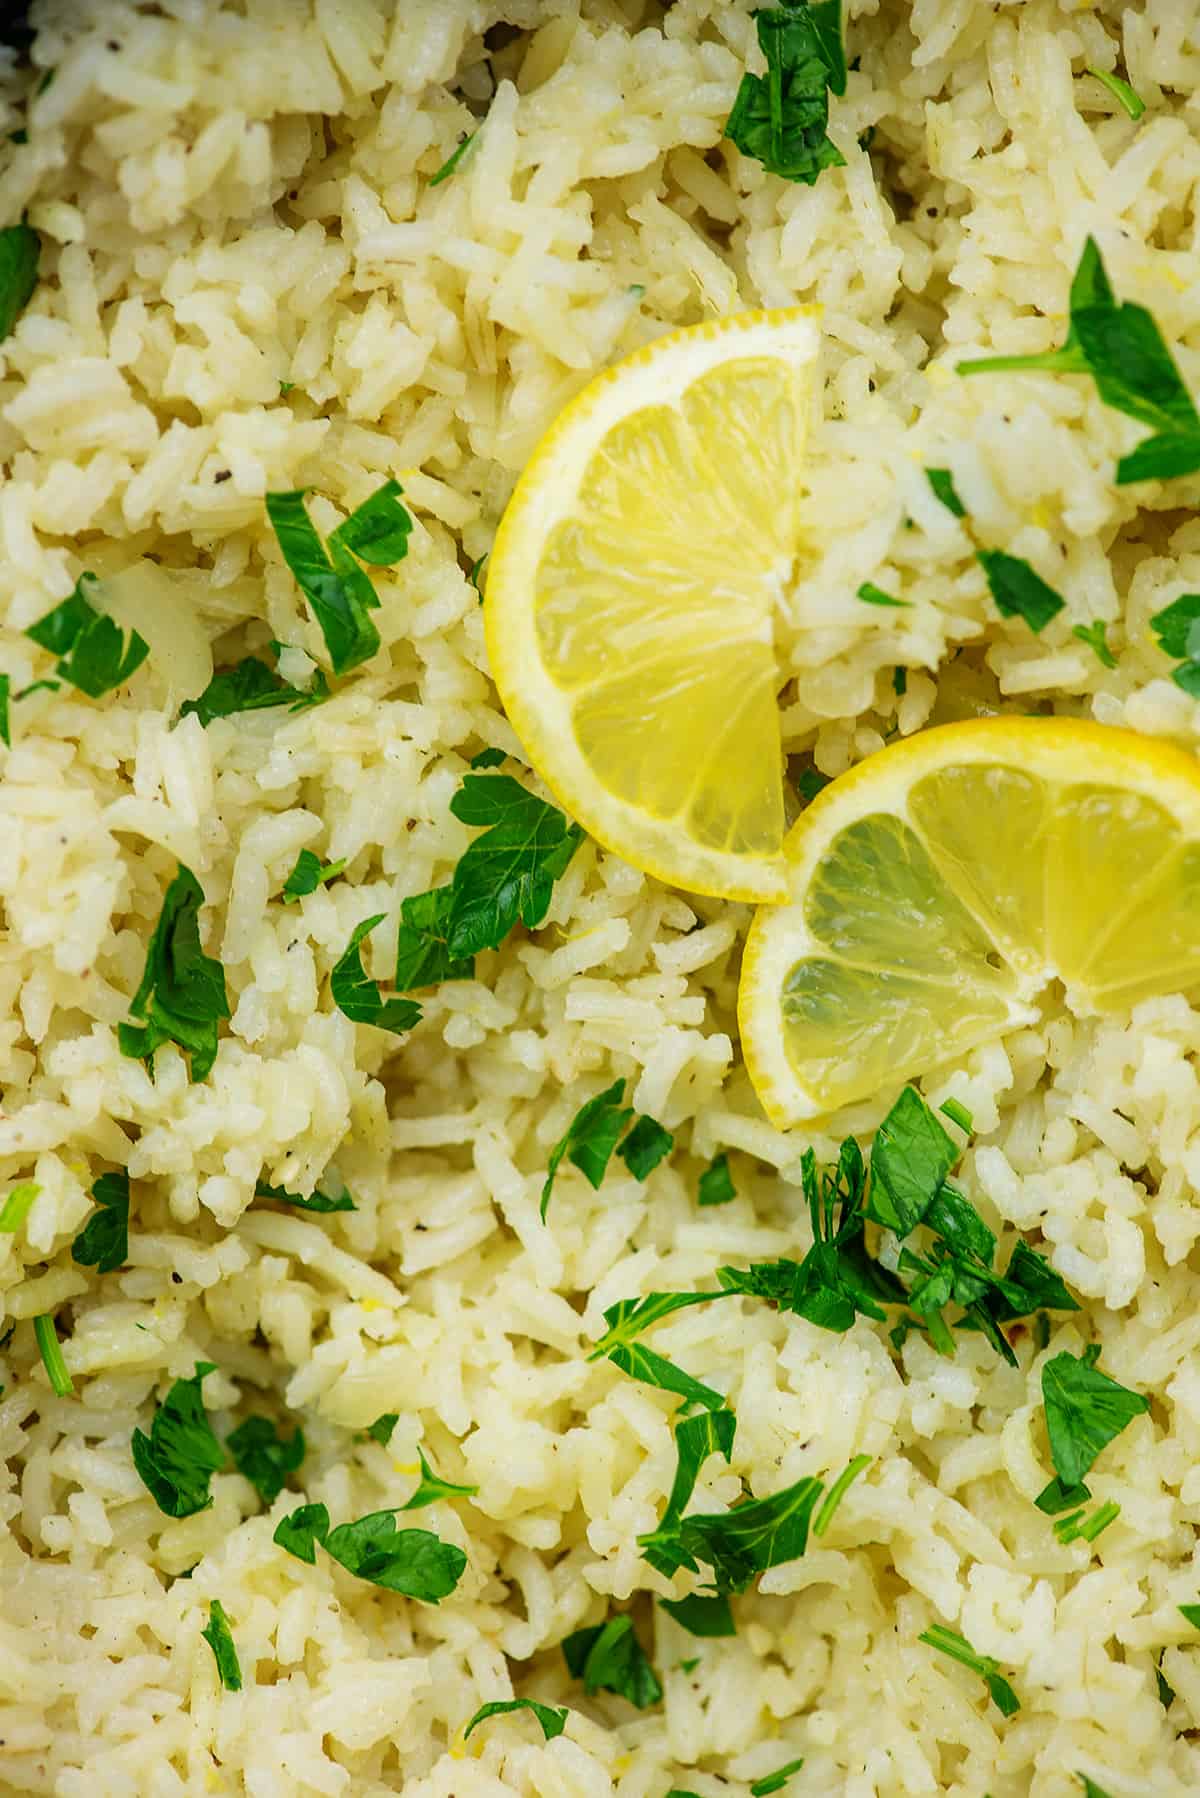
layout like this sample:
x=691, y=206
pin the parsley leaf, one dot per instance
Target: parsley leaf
x=701, y=1614
x=414, y=1562
x=1096, y=637
x=552, y=1719
x=318, y=1201
x=757, y=1534
x=1072, y=1529
x=5, y=724
x=508, y=872
x=1056, y=1498
x=1085, y=1410
x=1038, y=1285
x=1018, y=590
x=645, y=1146
x=182, y=993
x=177, y=1460
x=716, y=1183
x=1121, y=92
x=103, y=1243
x=93, y=653
x=20, y=252
x=627, y=1319
x=1090, y=1788
x=265, y=1457
x=381, y=1430
x=809, y=783
x=488, y=758
x=589, y=1139
x=252, y=685
x=220, y=1639
x=609, y=1658
x=453, y=160
x=775, y=1782
x=359, y=998
x=1123, y=350
x=780, y=119
x=1191, y=1614
x=696, y=1438
x=837, y=1492
x=422, y=950
x=875, y=596
x=1177, y=628
x=17, y=1205
x=50, y=1350
x=942, y=482
x=949, y=1642
x=338, y=591
x=432, y=1487
x=910, y=1157
x=309, y=873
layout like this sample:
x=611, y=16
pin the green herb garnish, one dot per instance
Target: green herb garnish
x=1123, y=350
x=103, y=1243
x=701, y=1614
x=809, y=783
x=423, y=955
x=1096, y=637
x=716, y=1183
x=948, y=1641
x=552, y=1720
x=432, y=1487
x=780, y=119
x=265, y=1457
x=942, y=482
x=838, y=1491
x=220, y=1639
x=696, y=1438
x=1121, y=92
x=453, y=160
x=1085, y=1410
x=1079, y=1528
x=1018, y=590
x=309, y=873
x=757, y=1534
x=92, y=650
x=627, y=1319
x=910, y=1157
x=414, y=1562
x=177, y=1460
x=609, y=1658
x=359, y=998
x=182, y=997
x=775, y=1782
x=1090, y=1788
x=645, y=1146
x=381, y=1430
x=317, y=1201
x=5, y=725
x=50, y=1350
x=508, y=872
x=252, y=686
x=20, y=252
x=337, y=589
x=589, y=1139
x=1191, y=1614
x=875, y=596
x=1177, y=628
x=17, y=1206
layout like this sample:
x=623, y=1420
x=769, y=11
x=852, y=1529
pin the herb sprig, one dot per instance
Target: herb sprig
x=181, y=998
x=94, y=654
x=177, y=1460
x=413, y=1562
x=781, y=118
x=330, y=575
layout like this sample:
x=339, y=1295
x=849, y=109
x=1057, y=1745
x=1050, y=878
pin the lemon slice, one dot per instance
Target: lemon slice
x=938, y=886
x=631, y=596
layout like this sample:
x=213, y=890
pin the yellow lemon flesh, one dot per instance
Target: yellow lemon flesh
x=939, y=885
x=631, y=596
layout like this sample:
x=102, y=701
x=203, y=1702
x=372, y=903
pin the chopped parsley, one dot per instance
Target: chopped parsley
x=309, y=873
x=338, y=590
x=93, y=652
x=589, y=1139
x=775, y=1782
x=696, y=1438
x=20, y=252
x=252, y=685
x=422, y=950
x=1085, y=1410
x=454, y=159
x=265, y=1457
x=1018, y=590
x=1078, y=1528
x=949, y=1642
x=1177, y=628
x=701, y=1614
x=17, y=1206
x=317, y=1201
x=488, y=758
x=899, y=682
x=780, y=118
x=716, y=1183
x=381, y=1430
x=177, y=1460
x=1121, y=92
x=103, y=1243
x=5, y=723
x=958, y=1114
x=416, y=1563
x=1096, y=637
x=477, y=579
x=942, y=482
x=910, y=1158
x=809, y=783
x=50, y=1350
x=609, y=1658
x=1191, y=1614
x=645, y=1146
x=219, y=1637
x=1122, y=348
x=757, y=1534
x=552, y=1719
x=359, y=997
x=875, y=596
x=182, y=997
x=627, y=1319
x=432, y=1487
x=508, y=873
x=1090, y=1788
x=838, y=1491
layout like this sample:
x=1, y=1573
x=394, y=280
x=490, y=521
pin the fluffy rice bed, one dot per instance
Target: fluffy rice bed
x=248, y=284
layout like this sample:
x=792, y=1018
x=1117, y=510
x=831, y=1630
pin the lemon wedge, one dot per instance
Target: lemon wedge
x=631, y=597
x=936, y=888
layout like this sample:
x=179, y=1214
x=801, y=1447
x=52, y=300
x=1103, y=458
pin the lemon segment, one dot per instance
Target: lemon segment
x=936, y=888
x=632, y=592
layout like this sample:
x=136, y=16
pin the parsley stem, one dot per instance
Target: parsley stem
x=837, y=1492
x=52, y=1355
